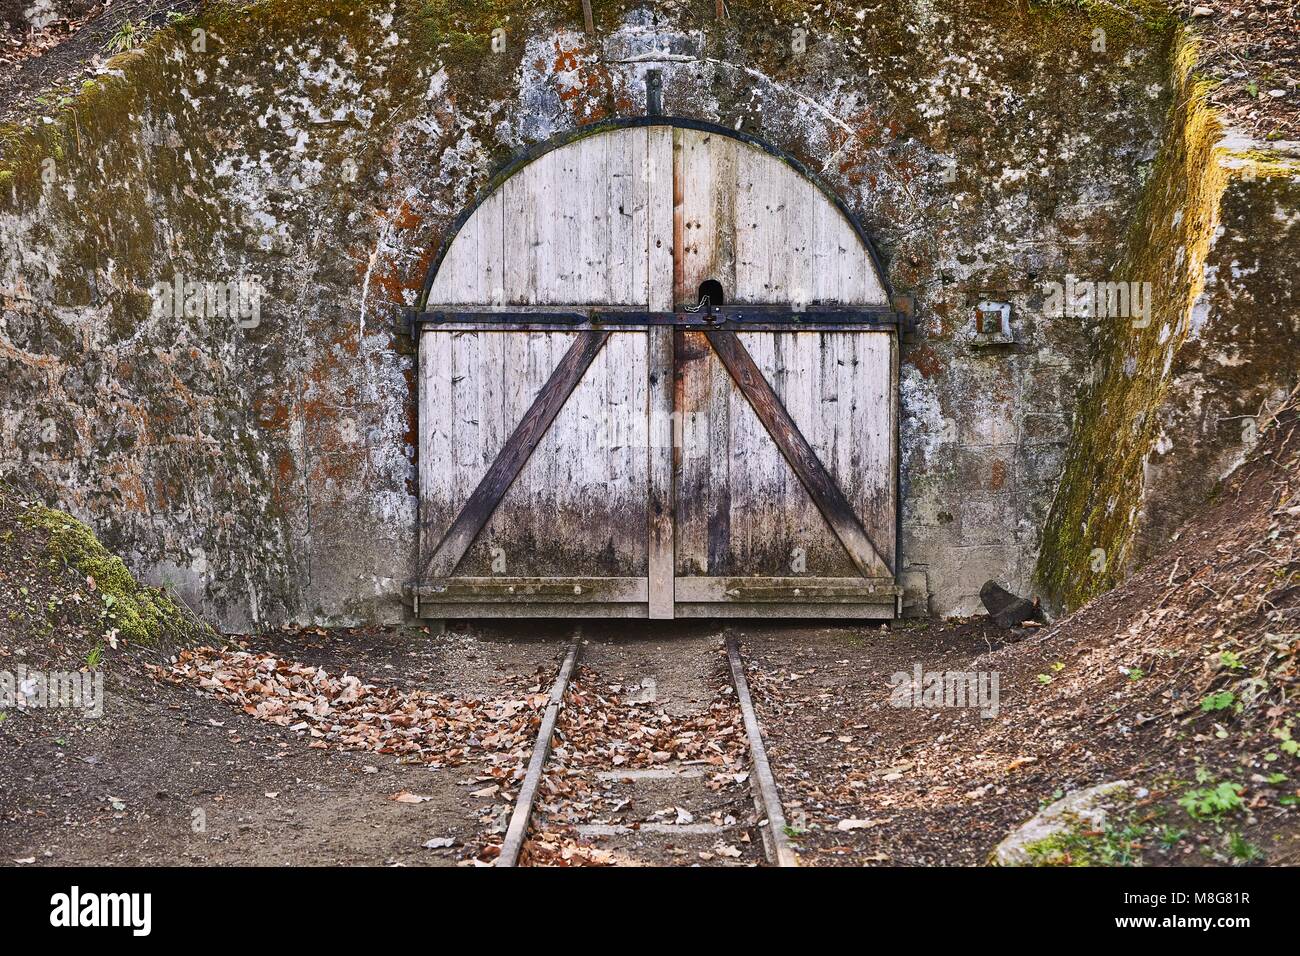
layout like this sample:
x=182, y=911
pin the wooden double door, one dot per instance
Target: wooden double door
x=594, y=441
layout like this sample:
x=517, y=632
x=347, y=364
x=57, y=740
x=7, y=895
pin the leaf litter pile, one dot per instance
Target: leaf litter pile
x=343, y=712
x=601, y=729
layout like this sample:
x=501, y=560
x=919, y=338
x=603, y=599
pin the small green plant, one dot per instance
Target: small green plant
x=1242, y=849
x=1169, y=836
x=95, y=656
x=1218, y=701
x=1212, y=803
x=1289, y=744
x=127, y=37
x=1136, y=673
x=1044, y=678
x=1231, y=661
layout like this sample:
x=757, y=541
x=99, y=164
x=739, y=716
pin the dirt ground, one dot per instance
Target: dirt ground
x=1183, y=680
x=404, y=746
x=173, y=775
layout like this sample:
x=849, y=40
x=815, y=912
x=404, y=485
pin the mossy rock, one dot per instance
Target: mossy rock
x=1058, y=835
x=140, y=614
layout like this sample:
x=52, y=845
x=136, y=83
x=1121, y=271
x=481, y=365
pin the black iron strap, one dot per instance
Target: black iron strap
x=754, y=318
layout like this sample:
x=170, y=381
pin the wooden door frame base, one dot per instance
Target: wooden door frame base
x=700, y=597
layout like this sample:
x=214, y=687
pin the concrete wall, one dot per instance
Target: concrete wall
x=266, y=470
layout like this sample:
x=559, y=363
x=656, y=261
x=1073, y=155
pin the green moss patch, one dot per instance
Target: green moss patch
x=140, y=614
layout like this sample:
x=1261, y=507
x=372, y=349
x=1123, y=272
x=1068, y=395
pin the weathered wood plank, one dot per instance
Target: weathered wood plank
x=515, y=454
x=704, y=208
x=659, y=189
x=573, y=590
x=825, y=493
x=660, y=472
x=787, y=589
x=879, y=610
x=436, y=438
x=635, y=610
x=765, y=232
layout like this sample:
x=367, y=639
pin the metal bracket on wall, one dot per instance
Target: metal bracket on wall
x=654, y=93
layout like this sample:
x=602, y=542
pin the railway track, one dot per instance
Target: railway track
x=648, y=755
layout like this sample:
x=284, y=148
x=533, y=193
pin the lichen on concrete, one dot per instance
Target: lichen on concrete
x=328, y=147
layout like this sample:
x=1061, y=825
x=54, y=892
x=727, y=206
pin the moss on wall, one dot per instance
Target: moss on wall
x=1109, y=511
x=140, y=614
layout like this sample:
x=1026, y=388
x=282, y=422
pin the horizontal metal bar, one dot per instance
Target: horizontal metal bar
x=632, y=327
x=754, y=318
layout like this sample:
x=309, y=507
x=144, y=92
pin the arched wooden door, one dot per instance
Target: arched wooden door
x=593, y=442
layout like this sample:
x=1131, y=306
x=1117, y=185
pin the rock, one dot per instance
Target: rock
x=1005, y=608
x=1080, y=810
x=1202, y=12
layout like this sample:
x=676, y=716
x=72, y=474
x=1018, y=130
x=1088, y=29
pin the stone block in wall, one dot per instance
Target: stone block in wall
x=987, y=470
x=987, y=519
x=1044, y=429
x=1039, y=466
x=1049, y=389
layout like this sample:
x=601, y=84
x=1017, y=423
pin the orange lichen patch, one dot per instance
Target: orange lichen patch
x=130, y=489
x=390, y=279
x=925, y=360
x=405, y=217
x=285, y=468
x=998, y=475
x=271, y=413
x=588, y=84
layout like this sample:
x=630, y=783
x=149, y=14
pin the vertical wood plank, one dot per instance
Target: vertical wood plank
x=691, y=456
x=660, y=186
x=660, y=442
x=704, y=212
x=659, y=183
x=436, y=439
